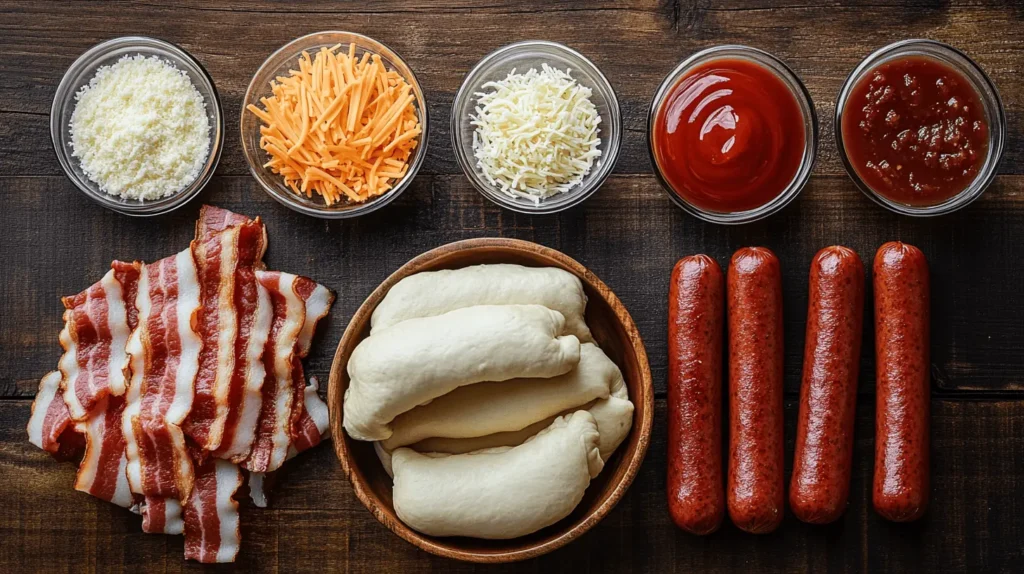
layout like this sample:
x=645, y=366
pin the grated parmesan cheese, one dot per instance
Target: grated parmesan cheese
x=140, y=129
x=536, y=133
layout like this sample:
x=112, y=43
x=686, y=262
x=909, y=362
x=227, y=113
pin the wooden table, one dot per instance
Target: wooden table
x=55, y=241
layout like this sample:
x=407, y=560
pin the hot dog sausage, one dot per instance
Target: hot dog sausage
x=901, y=382
x=820, y=485
x=756, y=482
x=696, y=493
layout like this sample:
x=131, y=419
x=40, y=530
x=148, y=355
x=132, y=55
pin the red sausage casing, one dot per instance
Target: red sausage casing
x=900, y=490
x=820, y=485
x=696, y=491
x=756, y=482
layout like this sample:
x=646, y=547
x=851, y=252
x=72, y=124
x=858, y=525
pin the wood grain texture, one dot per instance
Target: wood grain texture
x=55, y=242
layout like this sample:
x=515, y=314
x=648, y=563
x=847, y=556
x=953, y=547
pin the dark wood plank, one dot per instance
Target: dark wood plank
x=639, y=43
x=315, y=522
x=629, y=233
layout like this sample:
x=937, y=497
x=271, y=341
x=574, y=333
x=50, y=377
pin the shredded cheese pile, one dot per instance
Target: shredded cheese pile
x=140, y=129
x=340, y=126
x=536, y=133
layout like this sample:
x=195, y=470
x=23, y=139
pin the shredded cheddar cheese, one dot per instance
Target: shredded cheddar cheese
x=340, y=126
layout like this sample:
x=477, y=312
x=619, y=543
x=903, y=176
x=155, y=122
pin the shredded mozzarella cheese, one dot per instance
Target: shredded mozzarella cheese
x=536, y=133
x=140, y=129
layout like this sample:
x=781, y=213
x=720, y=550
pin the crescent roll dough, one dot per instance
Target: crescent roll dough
x=614, y=418
x=499, y=493
x=491, y=407
x=435, y=292
x=418, y=360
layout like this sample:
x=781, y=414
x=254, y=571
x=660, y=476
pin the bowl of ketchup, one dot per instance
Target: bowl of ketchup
x=920, y=128
x=732, y=134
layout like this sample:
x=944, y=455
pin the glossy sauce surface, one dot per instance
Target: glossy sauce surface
x=914, y=130
x=729, y=136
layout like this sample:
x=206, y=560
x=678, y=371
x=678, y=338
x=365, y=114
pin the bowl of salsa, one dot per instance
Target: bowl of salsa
x=920, y=128
x=732, y=134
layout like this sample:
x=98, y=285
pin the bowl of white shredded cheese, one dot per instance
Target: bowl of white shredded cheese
x=137, y=126
x=536, y=127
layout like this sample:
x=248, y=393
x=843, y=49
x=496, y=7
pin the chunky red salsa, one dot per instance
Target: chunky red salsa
x=729, y=136
x=914, y=130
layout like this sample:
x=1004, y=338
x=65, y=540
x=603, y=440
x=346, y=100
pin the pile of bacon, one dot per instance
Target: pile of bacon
x=177, y=375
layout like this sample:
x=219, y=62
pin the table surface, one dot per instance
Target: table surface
x=55, y=242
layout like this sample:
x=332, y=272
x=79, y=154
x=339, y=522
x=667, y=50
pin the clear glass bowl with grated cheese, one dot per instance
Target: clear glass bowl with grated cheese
x=278, y=65
x=83, y=70
x=481, y=138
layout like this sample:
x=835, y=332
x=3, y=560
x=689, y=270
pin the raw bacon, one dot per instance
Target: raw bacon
x=164, y=351
x=161, y=516
x=234, y=324
x=50, y=427
x=102, y=470
x=288, y=311
x=298, y=304
x=96, y=329
x=211, y=515
x=312, y=423
x=309, y=415
x=317, y=300
x=254, y=319
x=213, y=219
x=203, y=343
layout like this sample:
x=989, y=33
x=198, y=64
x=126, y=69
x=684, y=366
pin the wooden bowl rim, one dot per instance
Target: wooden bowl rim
x=358, y=479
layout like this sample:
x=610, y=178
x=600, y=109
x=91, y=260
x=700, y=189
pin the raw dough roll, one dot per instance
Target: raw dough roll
x=418, y=360
x=491, y=407
x=614, y=418
x=435, y=292
x=500, y=493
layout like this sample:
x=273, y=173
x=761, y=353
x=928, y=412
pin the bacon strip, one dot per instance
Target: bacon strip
x=254, y=316
x=96, y=329
x=213, y=219
x=164, y=351
x=234, y=324
x=309, y=414
x=317, y=300
x=216, y=257
x=161, y=516
x=211, y=515
x=102, y=470
x=50, y=427
x=288, y=311
x=312, y=423
x=298, y=303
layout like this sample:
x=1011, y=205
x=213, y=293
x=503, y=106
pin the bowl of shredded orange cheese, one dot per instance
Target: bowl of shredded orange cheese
x=334, y=125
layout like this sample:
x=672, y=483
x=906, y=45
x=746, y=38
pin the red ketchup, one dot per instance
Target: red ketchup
x=914, y=130
x=729, y=136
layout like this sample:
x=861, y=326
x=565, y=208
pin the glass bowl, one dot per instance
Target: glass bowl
x=522, y=56
x=79, y=75
x=278, y=64
x=986, y=91
x=800, y=94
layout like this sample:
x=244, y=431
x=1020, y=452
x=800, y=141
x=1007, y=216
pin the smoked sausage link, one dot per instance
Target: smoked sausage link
x=820, y=485
x=756, y=489
x=902, y=364
x=696, y=491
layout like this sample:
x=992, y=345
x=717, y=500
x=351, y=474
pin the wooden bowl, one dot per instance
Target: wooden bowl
x=613, y=330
